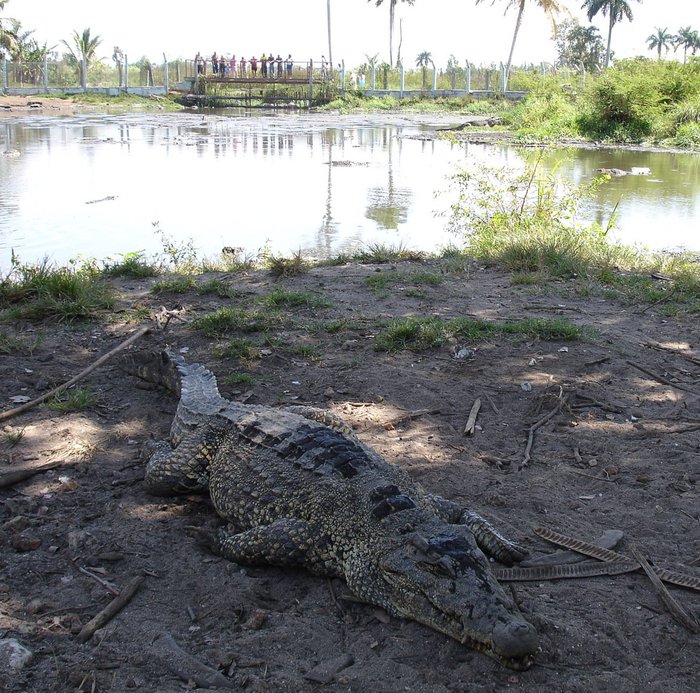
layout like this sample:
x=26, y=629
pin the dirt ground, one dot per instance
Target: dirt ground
x=623, y=453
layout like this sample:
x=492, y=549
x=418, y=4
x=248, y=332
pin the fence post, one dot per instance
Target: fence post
x=403, y=83
x=165, y=73
x=342, y=74
x=4, y=76
x=468, y=74
x=434, y=79
x=504, y=79
x=46, y=73
x=83, y=73
x=311, y=81
x=126, y=73
x=373, y=78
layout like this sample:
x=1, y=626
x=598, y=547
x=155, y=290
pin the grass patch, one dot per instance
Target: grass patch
x=419, y=334
x=9, y=344
x=42, y=291
x=223, y=321
x=13, y=438
x=217, y=288
x=286, y=266
x=132, y=266
x=380, y=253
x=176, y=284
x=238, y=348
x=77, y=399
x=238, y=379
x=380, y=282
x=280, y=298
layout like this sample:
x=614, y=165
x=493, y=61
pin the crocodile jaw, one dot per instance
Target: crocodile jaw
x=459, y=597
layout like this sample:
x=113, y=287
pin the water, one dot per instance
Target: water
x=104, y=185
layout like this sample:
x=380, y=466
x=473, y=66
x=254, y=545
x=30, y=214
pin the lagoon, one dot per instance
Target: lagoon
x=102, y=185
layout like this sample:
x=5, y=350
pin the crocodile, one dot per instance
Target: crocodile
x=298, y=489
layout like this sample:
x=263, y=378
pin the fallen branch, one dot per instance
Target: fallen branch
x=103, y=583
x=408, y=416
x=661, y=379
x=16, y=475
x=671, y=350
x=188, y=668
x=471, y=421
x=535, y=426
x=57, y=390
x=677, y=611
x=111, y=610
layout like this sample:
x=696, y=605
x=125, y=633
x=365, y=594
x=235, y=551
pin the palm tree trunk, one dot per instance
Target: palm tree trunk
x=392, y=10
x=518, y=21
x=330, y=49
x=610, y=27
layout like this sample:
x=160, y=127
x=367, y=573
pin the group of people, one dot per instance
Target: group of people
x=269, y=66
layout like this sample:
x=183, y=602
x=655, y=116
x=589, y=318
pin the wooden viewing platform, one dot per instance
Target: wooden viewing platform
x=260, y=91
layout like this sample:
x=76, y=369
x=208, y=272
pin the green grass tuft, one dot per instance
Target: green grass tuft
x=77, y=399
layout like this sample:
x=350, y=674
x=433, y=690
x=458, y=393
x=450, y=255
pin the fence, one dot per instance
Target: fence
x=63, y=76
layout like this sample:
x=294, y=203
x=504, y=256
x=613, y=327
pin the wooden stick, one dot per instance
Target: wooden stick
x=535, y=426
x=677, y=611
x=471, y=421
x=188, y=668
x=25, y=407
x=16, y=475
x=661, y=379
x=107, y=585
x=671, y=350
x=408, y=416
x=111, y=610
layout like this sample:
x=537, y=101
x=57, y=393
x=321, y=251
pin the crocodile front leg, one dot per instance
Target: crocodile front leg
x=183, y=469
x=286, y=542
x=488, y=538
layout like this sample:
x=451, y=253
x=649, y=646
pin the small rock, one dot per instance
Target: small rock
x=526, y=387
x=13, y=655
x=326, y=671
x=25, y=542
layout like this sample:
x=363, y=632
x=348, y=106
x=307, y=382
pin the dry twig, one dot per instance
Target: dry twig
x=188, y=668
x=538, y=424
x=16, y=475
x=677, y=611
x=471, y=421
x=660, y=378
x=111, y=610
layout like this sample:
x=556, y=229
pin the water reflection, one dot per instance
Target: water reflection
x=290, y=182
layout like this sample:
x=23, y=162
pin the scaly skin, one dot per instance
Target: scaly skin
x=300, y=493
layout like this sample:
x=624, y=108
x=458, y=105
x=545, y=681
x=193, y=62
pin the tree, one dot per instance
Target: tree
x=423, y=60
x=579, y=46
x=660, y=39
x=550, y=8
x=617, y=10
x=392, y=14
x=689, y=39
x=330, y=46
x=8, y=37
x=85, y=47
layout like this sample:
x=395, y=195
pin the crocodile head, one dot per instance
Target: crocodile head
x=444, y=581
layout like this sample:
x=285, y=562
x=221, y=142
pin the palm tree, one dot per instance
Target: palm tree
x=85, y=48
x=8, y=37
x=423, y=60
x=550, y=8
x=392, y=14
x=689, y=39
x=660, y=39
x=616, y=9
x=328, y=19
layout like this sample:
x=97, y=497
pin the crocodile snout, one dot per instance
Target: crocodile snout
x=515, y=639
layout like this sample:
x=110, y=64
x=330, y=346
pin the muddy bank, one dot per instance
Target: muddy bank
x=622, y=454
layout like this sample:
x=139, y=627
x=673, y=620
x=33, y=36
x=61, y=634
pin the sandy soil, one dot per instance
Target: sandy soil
x=35, y=104
x=622, y=454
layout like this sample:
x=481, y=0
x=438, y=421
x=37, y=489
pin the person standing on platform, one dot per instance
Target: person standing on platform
x=215, y=63
x=254, y=66
x=244, y=68
x=279, y=66
x=263, y=66
x=290, y=66
x=234, y=66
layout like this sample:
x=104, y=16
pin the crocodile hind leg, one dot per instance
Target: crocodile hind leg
x=285, y=542
x=488, y=538
x=183, y=469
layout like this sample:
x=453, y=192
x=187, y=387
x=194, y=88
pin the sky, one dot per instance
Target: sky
x=480, y=34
